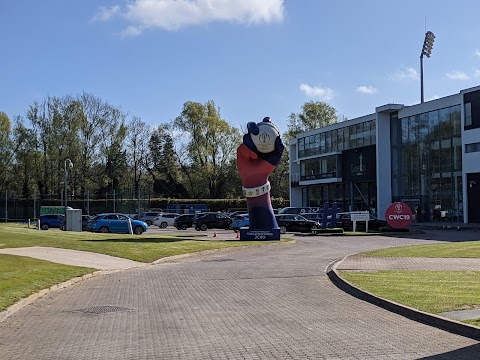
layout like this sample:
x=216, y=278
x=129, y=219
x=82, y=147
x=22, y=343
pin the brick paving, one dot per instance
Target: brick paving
x=272, y=302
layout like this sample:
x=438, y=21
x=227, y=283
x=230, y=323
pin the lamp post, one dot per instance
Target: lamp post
x=70, y=165
x=426, y=50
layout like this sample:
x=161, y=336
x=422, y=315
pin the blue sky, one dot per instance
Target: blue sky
x=254, y=58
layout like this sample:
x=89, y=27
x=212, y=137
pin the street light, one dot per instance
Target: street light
x=427, y=51
x=70, y=165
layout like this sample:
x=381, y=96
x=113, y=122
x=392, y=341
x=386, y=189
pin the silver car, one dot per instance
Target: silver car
x=149, y=216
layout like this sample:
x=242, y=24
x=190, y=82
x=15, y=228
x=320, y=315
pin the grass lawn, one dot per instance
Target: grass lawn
x=22, y=276
x=430, y=291
x=143, y=248
x=467, y=249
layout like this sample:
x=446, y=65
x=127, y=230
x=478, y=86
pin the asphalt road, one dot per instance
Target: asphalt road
x=271, y=302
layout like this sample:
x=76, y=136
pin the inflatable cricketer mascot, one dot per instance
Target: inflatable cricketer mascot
x=257, y=157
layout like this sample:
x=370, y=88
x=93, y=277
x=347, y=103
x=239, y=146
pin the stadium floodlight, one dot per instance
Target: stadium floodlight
x=426, y=51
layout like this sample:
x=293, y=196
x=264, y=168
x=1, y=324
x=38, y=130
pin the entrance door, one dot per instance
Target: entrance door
x=473, y=194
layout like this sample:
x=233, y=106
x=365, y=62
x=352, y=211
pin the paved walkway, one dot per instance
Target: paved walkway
x=74, y=257
x=253, y=303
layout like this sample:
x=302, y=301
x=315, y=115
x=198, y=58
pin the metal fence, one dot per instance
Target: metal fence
x=14, y=208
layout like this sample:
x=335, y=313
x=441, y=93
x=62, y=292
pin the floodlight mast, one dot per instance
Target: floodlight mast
x=427, y=51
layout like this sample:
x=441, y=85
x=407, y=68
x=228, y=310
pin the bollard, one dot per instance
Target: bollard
x=130, y=230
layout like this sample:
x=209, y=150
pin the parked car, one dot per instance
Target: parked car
x=149, y=217
x=115, y=223
x=184, y=221
x=165, y=219
x=344, y=221
x=235, y=213
x=239, y=221
x=51, y=221
x=211, y=220
x=319, y=217
x=295, y=223
x=295, y=210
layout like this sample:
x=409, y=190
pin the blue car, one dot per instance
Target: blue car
x=51, y=220
x=115, y=223
x=238, y=221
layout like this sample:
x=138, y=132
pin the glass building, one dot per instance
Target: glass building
x=422, y=155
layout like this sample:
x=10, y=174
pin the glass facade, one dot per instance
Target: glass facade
x=348, y=137
x=427, y=164
x=330, y=148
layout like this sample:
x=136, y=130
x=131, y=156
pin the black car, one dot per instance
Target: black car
x=344, y=221
x=295, y=223
x=211, y=220
x=184, y=221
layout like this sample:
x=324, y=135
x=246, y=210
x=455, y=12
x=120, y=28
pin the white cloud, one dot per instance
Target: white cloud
x=477, y=52
x=366, y=89
x=104, y=14
x=407, y=73
x=317, y=92
x=476, y=73
x=176, y=14
x=457, y=75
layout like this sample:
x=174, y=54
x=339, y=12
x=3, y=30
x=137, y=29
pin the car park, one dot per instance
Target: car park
x=295, y=223
x=239, y=221
x=115, y=223
x=184, y=221
x=344, y=221
x=211, y=220
x=51, y=221
x=149, y=216
x=165, y=219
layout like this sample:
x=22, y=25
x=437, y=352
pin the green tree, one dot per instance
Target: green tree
x=207, y=157
x=163, y=165
x=113, y=153
x=6, y=149
x=137, y=149
x=313, y=115
x=93, y=114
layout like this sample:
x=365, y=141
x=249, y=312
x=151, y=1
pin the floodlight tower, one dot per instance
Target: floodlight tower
x=426, y=50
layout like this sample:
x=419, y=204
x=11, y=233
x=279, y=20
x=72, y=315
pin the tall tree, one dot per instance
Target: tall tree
x=6, y=149
x=209, y=150
x=113, y=152
x=313, y=115
x=163, y=165
x=93, y=116
x=137, y=149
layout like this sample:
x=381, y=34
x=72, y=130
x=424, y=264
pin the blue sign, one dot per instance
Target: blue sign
x=329, y=218
x=247, y=234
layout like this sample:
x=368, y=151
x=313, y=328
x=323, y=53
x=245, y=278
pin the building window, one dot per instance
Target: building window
x=348, y=137
x=474, y=147
x=319, y=168
x=429, y=160
x=468, y=114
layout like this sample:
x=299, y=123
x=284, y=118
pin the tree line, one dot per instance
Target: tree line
x=193, y=156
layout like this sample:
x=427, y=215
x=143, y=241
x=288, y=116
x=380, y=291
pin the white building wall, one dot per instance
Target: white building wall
x=384, y=164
